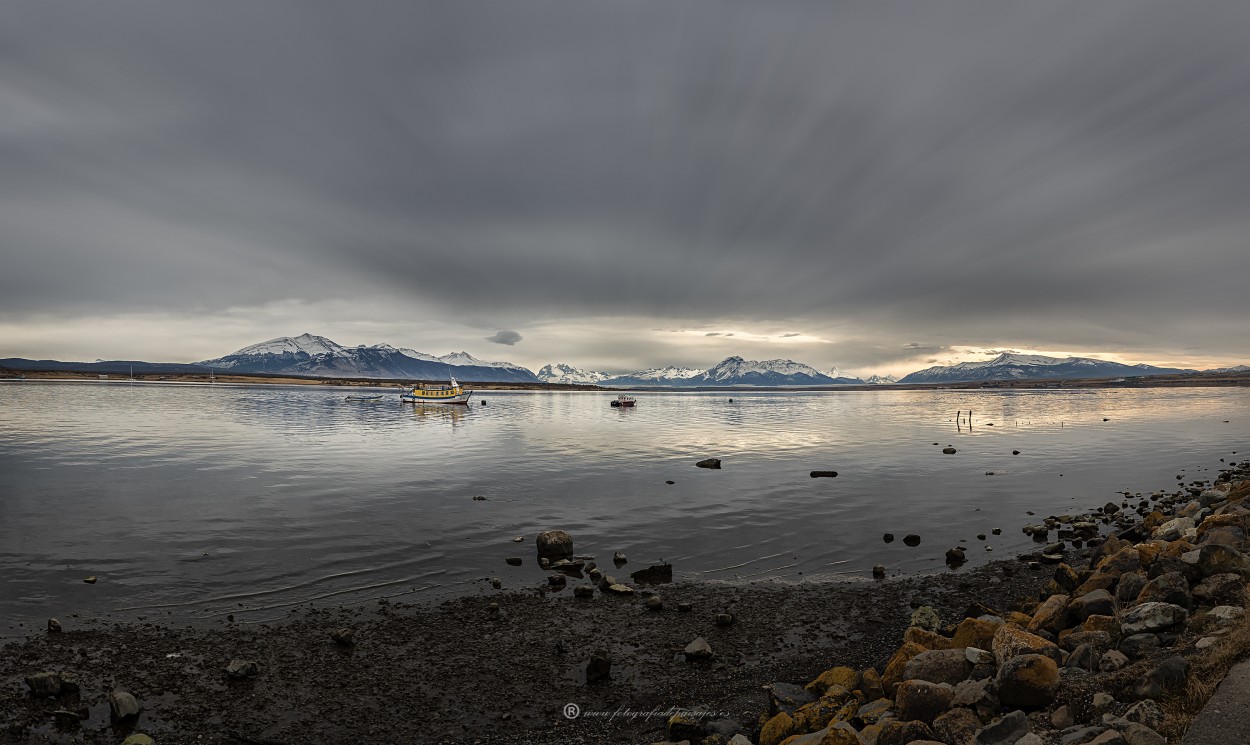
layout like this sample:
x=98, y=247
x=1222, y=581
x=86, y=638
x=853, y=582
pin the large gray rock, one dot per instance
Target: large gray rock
x=1028, y=680
x=957, y=726
x=787, y=697
x=1165, y=676
x=977, y=694
x=939, y=666
x=1151, y=617
x=1139, y=645
x=921, y=700
x=1147, y=713
x=1216, y=559
x=122, y=705
x=1167, y=588
x=1221, y=589
x=1096, y=603
x=554, y=545
x=1006, y=730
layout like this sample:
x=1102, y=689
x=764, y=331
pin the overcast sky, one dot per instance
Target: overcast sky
x=872, y=185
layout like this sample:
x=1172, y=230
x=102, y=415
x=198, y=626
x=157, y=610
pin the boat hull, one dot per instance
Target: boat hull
x=462, y=399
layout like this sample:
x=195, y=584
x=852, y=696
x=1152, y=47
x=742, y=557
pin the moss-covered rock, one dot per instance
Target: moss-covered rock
x=1028, y=681
x=777, y=729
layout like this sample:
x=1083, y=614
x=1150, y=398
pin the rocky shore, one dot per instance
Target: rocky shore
x=1113, y=632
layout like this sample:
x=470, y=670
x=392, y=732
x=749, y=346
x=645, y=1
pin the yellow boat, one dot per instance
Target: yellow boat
x=437, y=394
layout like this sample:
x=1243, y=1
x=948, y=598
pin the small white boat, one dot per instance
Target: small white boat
x=454, y=393
x=365, y=398
x=623, y=400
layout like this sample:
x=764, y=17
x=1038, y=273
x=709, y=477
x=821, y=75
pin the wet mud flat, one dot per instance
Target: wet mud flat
x=465, y=671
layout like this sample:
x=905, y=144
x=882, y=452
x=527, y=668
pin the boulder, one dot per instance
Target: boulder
x=1050, y=616
x=1225, y=615
x=870, y=684
x=787, y=697
x=554, y=545
x=1216, y=559
x=957, y=727
x=584, y=591
x=122, y=705
x=873, y=711
x=927, y=639
x=975, y=632
x=1171, y=587
x=978, y=695
x=1147, y=713
x=926, y=618
x=777, y=729
x=903, y=733
x=1096, y=603
x=893, y=674
x=845, y=677
x=1112, y=661
x=1152, y=617
x=1109, y=625
x=1006, y=730
x=344, y=637
x=938, y=666
x=138, y=739
x=1028, y=680
x=1084, y=656
x=709, y=463
x=1165, y=676
x=1139, y=645
x=684, y=727
x=1010, y=641
x=1098, y=640
x=922, y=700
x=1067, y=578
x=1221, y=589
x=1129, y=587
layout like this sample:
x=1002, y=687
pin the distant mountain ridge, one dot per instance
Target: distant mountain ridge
x=308, y=354
x=562, y=374
x=1012, y=366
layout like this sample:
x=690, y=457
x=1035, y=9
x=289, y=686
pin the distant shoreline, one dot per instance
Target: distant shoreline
x=1187, y=380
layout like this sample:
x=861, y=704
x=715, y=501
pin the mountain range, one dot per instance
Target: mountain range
x=1012, y=366
x=318, y=356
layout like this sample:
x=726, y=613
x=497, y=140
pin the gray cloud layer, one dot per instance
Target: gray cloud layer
x=1062, y=173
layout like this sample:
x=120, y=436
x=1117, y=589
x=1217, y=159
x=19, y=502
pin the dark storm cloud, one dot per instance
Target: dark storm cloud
x=505, y=337
x=961, y=172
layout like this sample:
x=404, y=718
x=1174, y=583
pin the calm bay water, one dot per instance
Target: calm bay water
x=191, y=502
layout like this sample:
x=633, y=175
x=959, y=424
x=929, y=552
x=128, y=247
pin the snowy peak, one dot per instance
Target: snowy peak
x=302, y=344
x=563, y=374
x=464, y=358
x=667, y=373
x=881, y=380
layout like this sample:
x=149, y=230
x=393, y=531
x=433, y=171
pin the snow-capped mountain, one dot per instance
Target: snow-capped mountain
x=568, y=375
x=318, y=356
x=1235, y=369
x=737, y=371
x=835, y=372
x=1011, y=366
x=465, y=359
x=881, y=380
x=655, y=376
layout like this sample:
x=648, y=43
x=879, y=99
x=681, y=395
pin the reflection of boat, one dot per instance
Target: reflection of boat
x=365, y=398
x=623, y=400
x=437, y=394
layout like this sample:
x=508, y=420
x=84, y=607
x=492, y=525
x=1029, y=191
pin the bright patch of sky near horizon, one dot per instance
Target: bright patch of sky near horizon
x=628, y=186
